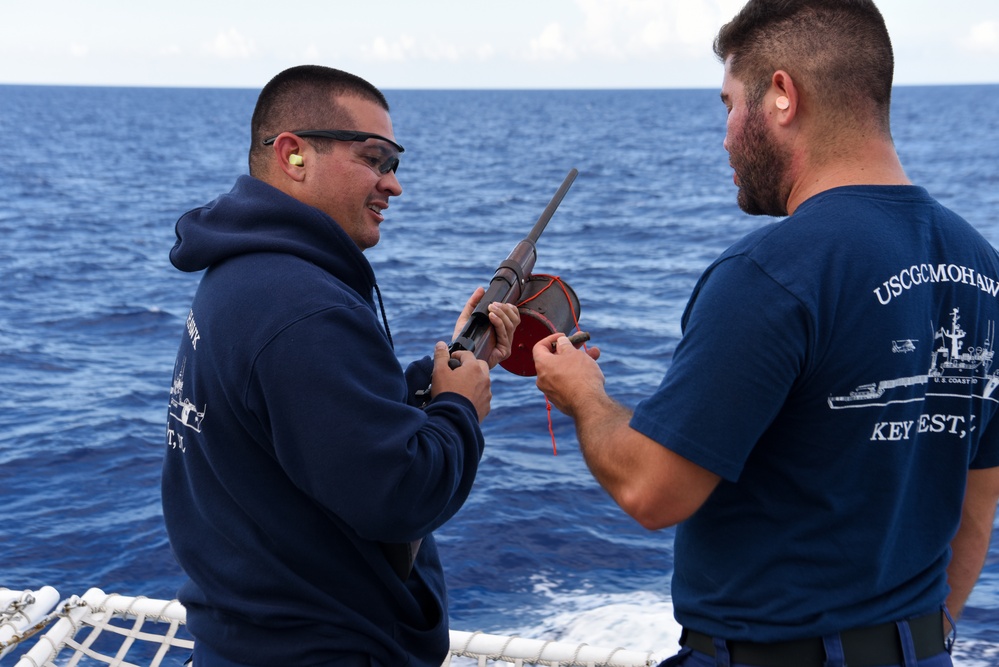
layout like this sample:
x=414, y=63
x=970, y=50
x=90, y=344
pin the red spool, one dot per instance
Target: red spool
x=548, y=305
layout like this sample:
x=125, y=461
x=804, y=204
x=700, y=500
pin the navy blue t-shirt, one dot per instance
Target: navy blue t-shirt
x=836, y=370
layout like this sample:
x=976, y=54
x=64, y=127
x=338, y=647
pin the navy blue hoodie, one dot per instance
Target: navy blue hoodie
x=298, y=458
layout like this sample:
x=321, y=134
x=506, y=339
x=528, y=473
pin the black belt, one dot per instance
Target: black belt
x=862, y=647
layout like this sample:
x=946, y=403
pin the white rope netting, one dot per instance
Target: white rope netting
x=517, y=651
x=118, y=631
x=23, y=614
x=114, y=630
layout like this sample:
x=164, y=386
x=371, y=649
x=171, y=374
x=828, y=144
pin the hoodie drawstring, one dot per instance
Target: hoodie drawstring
x=381, y=305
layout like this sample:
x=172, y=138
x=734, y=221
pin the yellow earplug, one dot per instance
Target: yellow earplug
x=296, y=160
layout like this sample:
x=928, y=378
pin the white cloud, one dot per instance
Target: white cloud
x=382, y=50
x=406, y=48
x=621, y=30
x=550, y=45
x=442, y=51
x=231, y=45
x=444, y=43
x=984, y=38
x=485, y=51
x=311, y=53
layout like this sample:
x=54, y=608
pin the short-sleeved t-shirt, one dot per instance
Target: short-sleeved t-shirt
x=836, y=370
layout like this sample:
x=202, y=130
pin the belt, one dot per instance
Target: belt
x=862, y=647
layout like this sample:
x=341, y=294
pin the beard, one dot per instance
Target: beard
x=761, y=168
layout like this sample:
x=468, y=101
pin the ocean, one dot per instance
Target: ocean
x=92, y=181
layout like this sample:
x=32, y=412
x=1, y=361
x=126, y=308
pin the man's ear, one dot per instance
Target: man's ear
x=783, y=96
x=289, y=153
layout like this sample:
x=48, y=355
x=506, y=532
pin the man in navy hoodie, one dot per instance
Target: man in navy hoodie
x=305, y=469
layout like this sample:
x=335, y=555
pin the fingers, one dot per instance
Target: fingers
x=463, y=357
x=505, y=318
x=466, y=312
x=441, y=355
x=473, y=301
x=562, y=343
x=504, y=315
x=558, y=346
x=469, y=377
x=549, y=344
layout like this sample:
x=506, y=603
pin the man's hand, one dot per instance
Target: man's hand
x=567, y=376
x=655, y=486
x=505, y=317
x=471, y=379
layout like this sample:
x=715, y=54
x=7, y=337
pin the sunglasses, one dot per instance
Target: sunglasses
x=386, y=162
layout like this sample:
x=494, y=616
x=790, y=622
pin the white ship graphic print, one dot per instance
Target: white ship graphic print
x=181, y=408
x=953, y=370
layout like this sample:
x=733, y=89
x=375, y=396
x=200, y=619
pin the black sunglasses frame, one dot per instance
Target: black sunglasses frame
x=391, y=164
x=339, y=135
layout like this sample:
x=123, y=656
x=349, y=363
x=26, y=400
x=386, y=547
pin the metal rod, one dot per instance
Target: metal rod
x=549, y=211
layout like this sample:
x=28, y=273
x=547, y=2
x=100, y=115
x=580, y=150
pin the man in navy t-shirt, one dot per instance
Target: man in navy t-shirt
x=825, y=436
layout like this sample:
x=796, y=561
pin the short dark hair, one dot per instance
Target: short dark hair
x=304, y=97
x=838, y=51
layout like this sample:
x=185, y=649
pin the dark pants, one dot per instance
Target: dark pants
x=688, y=658
x=206, y=657
x=833, y=648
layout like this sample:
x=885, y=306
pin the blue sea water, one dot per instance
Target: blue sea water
x=93, y=179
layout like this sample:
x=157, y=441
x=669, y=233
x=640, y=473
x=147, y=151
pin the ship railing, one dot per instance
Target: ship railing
x=120, y=631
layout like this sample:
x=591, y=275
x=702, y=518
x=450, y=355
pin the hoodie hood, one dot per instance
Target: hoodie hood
x=256, y=217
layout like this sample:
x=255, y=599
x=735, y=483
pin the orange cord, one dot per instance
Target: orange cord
x=575, y=320
x=550, y=429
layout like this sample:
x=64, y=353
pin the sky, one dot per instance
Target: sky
x=441, y=44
